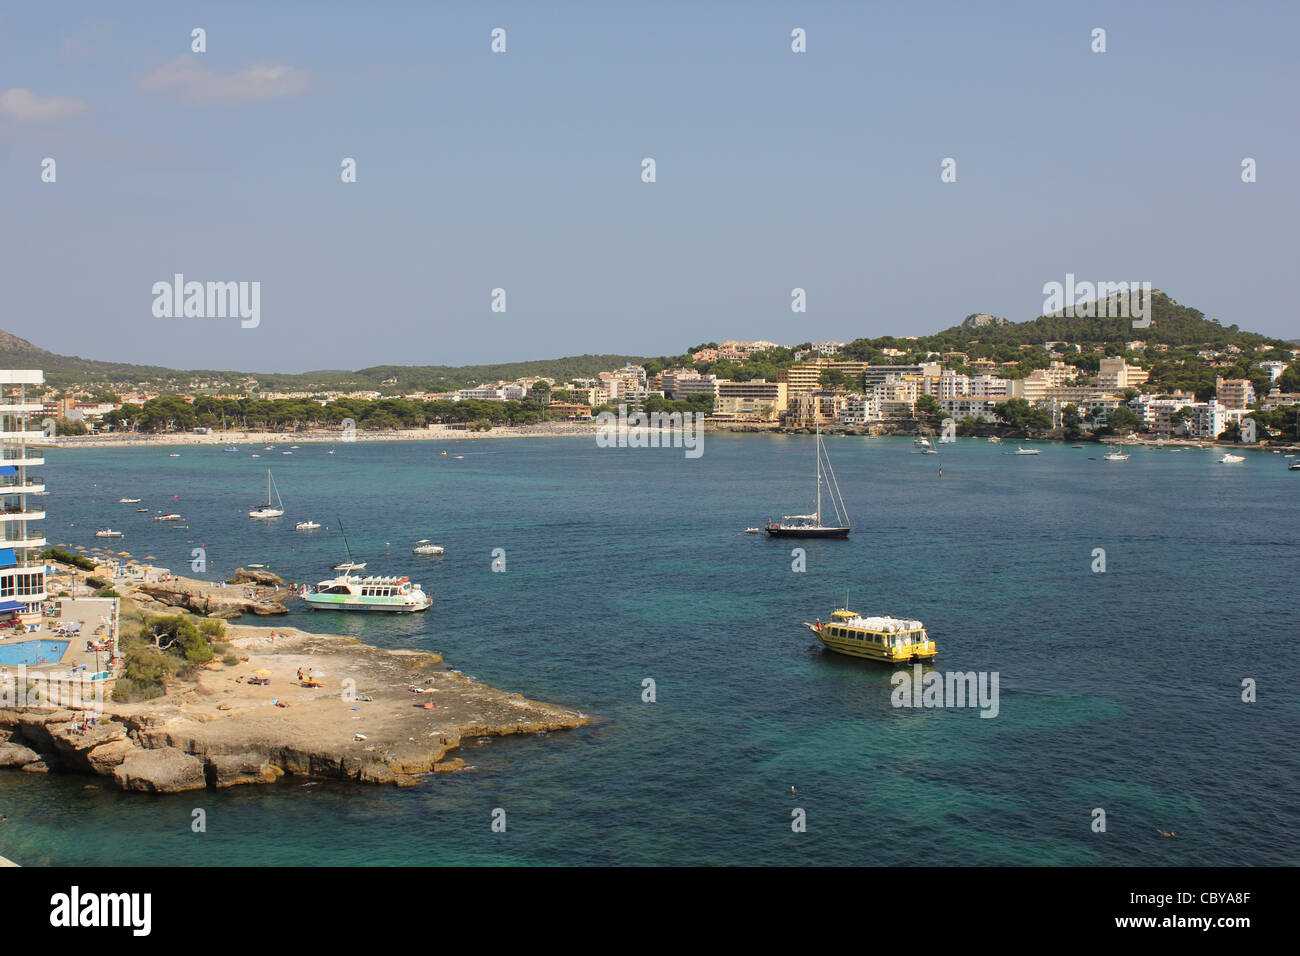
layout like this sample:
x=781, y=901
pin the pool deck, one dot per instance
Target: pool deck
x=75, y=653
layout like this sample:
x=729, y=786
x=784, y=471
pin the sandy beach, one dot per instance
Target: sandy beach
x=238, y=439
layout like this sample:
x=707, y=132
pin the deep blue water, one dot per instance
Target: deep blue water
x=1119, y=690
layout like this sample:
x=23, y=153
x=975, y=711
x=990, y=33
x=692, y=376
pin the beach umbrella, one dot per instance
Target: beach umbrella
x=124, y=554
x=262, y=673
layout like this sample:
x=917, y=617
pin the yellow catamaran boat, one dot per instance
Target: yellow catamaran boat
x=887, y=639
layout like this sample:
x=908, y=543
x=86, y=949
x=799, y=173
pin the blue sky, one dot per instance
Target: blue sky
x=522, y=171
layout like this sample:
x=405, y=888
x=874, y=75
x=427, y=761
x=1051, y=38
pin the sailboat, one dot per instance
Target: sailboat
x=815, y=525
x=348, y=566
x=266, y=511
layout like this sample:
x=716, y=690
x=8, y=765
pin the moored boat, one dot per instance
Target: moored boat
x=108, y=533
x=815, y=525
x=888, y=639
x=350, y=592
x=1231, y=459
x=267, y=511
x=306, y=526
x=169, y=516
x=1025, y=451
x=424, y=547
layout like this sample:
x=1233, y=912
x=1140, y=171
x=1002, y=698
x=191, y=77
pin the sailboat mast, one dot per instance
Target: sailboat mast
x=818, y=450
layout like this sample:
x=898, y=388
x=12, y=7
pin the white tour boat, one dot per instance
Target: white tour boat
x=350, y=592
x=424, y=547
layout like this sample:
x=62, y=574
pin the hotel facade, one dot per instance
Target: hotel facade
x=22, y=570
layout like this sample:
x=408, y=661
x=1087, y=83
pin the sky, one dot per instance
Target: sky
x=523, y=171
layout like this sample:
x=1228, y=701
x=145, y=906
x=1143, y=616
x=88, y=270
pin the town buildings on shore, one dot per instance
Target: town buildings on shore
x=827, y=386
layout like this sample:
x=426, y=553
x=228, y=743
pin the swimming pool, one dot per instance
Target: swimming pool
x=32, y=653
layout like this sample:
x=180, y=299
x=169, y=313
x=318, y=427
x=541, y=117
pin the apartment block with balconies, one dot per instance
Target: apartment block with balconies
x=22, y=570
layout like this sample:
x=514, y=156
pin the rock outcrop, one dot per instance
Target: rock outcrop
x=979, y=320
x=255, y=576
x=214, y=604
x=165, y=770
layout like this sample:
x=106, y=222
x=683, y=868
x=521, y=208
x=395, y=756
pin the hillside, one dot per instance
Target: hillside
x=1172, y=324
x=62, y=370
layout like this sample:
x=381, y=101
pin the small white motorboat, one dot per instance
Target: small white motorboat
x=169, y=516
x=1231, y=459
x=174, y=455
x=424, y=547
x=1026, y=451
x=350, y=566
x=753, y=531
x=128, y=501
x=306, y=526
x=108, y=533
x=1115, y=456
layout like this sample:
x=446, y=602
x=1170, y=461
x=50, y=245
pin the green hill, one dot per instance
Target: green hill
x=64, y=370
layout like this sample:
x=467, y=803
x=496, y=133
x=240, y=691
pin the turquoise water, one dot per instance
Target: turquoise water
x=1119, y=690
x=32, y=653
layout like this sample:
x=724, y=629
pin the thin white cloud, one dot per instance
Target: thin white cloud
x=185, y=80
x=18, y=103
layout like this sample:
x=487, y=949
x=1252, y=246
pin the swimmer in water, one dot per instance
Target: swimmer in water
x=1171, y=834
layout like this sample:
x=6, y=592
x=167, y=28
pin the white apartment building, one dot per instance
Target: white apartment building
x=989, y=386
x=1274, y=368
x=22, y=570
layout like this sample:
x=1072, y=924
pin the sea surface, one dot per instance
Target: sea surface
x=1119, y=690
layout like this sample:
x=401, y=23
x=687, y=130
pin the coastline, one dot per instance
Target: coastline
x=231, y=438
x=377, y=716
x=442, y=433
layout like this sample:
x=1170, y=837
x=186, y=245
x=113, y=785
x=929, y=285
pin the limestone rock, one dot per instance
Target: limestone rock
x=16, y=755
x=266, y=578
x=165, y=770
x=229, y=770
x=105, y=758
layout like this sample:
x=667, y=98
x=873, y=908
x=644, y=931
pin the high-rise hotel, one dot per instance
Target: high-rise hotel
x=22, y=570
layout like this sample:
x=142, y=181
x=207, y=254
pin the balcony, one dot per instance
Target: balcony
x=31, y=541
x=28, y=409
x=21, y=513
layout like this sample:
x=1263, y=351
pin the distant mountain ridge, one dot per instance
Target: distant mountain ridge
x=61, y=370
x=1174, y=324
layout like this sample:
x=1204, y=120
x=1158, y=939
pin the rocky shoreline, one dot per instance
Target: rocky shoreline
x=357, y=712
